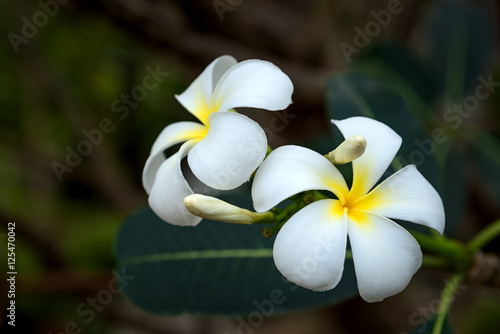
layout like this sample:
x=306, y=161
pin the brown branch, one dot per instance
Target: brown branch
x=172, y=25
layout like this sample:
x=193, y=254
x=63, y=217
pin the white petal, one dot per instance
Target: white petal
x=382, y=145
x=289, y=170
x=172, y=134
x=254, y=84
x=310, y=248
x=150, y=170
x=231, y=151
x=169, y=190
x=197, y=97
x=176, y=133
x=406, y=195
x=385, y=255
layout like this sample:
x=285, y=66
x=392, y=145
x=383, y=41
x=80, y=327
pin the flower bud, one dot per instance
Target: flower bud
x=350, y=149
x=216, y=209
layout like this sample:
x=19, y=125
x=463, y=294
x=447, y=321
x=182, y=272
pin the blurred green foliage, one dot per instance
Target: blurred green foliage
x=64, y=80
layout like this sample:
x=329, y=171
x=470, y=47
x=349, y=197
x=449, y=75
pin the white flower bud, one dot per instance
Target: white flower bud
x=350, y=149
x=216, y=209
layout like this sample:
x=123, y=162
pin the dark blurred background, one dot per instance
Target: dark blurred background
x=69, y=66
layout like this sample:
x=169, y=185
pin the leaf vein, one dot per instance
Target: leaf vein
x=199, y=254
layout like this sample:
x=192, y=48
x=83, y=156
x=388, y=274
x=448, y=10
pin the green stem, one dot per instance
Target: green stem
x=263, y=217
x=439, y=245
x=484, y=236
x=454, y=255
x=447, y=297
x=299, y=201
x=318, y=196
x=269, y=150
x=286, y=212
x=434, y=262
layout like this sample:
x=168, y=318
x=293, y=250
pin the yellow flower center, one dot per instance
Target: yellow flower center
x=349, y=205
x=197, y=134
x=202, y=112
x=204, y=109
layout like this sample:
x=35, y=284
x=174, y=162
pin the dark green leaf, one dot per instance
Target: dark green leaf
x=213, y=268
x=460, y=39
x=395, y=65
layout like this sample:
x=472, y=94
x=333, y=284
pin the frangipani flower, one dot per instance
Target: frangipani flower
x=310, y=248
x=226, y=147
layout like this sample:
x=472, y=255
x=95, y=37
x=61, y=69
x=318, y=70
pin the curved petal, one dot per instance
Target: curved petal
x=385, y=255
x=172, y=134
x=196, y=98
x=406, y=195
x=233, y=148
x=310, y=248
x=150, y=170
x=254, y=84
x=382, y=145
x=169, y=190
x=288, y=170
x=176, y=133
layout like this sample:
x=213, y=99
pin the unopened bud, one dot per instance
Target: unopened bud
x=350, y=149
x=216, y=209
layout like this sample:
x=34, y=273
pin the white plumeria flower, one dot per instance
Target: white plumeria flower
x=226, y=147
x=310, y=248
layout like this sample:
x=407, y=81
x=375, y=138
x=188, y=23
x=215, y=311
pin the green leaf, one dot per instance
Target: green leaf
x=393, y=63
x=459, y=38
x=211, y=269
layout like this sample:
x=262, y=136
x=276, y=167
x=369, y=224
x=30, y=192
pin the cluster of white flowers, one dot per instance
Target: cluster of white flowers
x=226, y=148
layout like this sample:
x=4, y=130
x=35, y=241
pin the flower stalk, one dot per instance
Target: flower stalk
x=454, y=252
